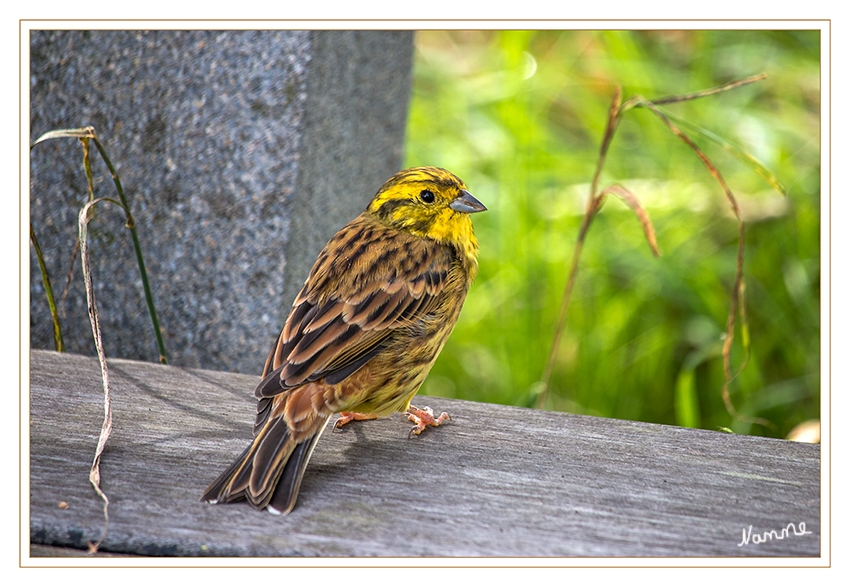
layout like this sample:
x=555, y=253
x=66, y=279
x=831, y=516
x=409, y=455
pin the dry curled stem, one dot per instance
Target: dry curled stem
x=615, y=114
x=737, y=297
x=106, y=427
x=594, y=204
x=87, y=135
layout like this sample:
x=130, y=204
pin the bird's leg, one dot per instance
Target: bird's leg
x=422, y=418
x=346, y=417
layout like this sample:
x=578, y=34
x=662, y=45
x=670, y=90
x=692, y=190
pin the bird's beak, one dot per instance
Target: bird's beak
x=467, y=203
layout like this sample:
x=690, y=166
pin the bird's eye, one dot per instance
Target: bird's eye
x=427, y=196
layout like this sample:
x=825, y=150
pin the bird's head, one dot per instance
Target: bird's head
x=429, y=202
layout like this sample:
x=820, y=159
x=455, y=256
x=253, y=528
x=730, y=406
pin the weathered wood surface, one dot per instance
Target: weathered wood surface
x=495, y=481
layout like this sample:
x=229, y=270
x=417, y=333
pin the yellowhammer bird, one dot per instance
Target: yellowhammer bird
x=363, y=332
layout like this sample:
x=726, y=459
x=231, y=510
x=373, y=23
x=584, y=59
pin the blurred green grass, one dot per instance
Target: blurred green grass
x=519, y=115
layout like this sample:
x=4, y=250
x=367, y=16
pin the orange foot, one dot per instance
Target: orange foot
x=423, y=418
x=346, y=417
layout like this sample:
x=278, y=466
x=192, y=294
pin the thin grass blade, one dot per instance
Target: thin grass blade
x=66, y=133
x=51, y=302
x=754, y=164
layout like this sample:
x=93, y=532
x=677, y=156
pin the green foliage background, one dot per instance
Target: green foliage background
x=519, y=115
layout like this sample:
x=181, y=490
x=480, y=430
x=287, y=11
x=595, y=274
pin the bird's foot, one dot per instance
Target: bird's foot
x=346, y=417
x=423, y=418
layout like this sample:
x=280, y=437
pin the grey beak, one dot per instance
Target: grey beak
x=467, y=203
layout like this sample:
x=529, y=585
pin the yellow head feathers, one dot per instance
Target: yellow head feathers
x=429, y=202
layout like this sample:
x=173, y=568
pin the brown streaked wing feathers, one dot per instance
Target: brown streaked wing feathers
x=334, y=334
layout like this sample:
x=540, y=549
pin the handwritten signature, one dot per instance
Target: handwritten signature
x=782, y=534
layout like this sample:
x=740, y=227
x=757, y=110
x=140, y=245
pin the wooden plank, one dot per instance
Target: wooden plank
x=42, y=551
x=495, y=481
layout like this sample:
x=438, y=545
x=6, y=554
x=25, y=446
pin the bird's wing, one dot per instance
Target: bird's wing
x=366, y=284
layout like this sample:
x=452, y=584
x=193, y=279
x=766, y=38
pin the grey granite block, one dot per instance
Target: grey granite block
x=241, y=153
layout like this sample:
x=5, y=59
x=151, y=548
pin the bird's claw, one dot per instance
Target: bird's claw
x=346, y=417
x=423, y=418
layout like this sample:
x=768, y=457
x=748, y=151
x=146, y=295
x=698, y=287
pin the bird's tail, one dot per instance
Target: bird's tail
x=269, y=472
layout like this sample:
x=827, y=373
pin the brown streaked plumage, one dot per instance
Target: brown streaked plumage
x=363, y=333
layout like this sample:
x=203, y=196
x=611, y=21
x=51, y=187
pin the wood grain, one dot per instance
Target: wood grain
x=496, y=481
